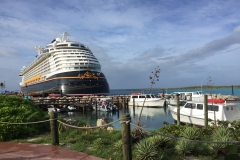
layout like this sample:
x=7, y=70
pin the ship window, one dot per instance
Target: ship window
x=148, y=96
x=190, y=105
x=46, y=51
x=141, y=96
x=200, y=106
x=77, y=45
x=60, y=45
x=227, y=108
x=212, y=108
x=76, y=68
x=231, y=107
x=134, y=96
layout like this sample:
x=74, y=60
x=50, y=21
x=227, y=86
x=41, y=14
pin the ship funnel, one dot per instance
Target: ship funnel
x=65, y=36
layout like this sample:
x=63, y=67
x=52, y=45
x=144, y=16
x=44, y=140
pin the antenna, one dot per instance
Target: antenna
x=39, y=49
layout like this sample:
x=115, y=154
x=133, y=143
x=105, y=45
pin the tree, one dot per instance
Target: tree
x=152, y=79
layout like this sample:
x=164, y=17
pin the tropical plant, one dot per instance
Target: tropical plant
x=159, y=140
x=138, y=134
x=172, y=129
x=146, y=150
x=191, y=132
x=118, y=144
x=184, y=147
x=222, y=134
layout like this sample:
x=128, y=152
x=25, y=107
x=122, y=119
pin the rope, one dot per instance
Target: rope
x=88, y=127
x=137, y=126
x=127, y=122
x=27, y=122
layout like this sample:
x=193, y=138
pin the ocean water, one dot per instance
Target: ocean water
x=223, y=91
x=151, y=119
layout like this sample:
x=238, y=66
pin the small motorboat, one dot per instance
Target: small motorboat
x=59, y=110
x=193, y=112
x=106, y=107
x=149, y=100
x=72, y=108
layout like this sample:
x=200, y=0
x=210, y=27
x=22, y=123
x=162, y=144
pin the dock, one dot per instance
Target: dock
x=81, y=103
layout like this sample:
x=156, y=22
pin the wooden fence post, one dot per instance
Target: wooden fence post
x=96, y=109
x=118, y=102
x=54, y=128
x=205, y=110
x=178, y=110
x=133, y=107
x=126, y=137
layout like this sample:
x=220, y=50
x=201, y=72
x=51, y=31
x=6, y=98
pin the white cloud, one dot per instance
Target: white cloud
x=129, y=38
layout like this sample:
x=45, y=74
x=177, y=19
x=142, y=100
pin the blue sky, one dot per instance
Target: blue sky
x=188, y=40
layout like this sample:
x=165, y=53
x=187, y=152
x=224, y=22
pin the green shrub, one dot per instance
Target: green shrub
x=18, y=110
x=146, y=149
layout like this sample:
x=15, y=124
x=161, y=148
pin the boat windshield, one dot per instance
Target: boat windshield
x=153, y=96
x=197, y=93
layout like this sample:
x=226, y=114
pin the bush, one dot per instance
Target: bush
x=17, y=110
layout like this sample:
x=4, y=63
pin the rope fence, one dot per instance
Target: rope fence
x=125, y=122
x=122, y=121
x=27, y=122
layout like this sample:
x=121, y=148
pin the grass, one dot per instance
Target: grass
x=145, y=145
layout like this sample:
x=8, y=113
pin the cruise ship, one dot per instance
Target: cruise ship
x=63, y=67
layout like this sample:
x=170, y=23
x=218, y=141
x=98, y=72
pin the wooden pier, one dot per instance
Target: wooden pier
x=81, y=103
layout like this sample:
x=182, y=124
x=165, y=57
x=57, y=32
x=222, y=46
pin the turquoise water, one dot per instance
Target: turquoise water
x=223, y=91
x=151, y=119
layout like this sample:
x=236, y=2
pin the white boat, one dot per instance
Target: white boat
x=185, y=96
x=59, y=110
x=105, y=107
x=193, y=112
x=72, y=108
x=150, y=100
x=149, y=112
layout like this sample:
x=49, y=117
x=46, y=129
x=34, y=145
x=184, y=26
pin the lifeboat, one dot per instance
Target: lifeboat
x=216, y=101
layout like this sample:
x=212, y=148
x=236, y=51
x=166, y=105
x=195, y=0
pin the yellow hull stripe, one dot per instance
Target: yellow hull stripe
x=37, y=82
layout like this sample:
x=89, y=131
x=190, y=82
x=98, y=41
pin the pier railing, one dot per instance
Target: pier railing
x=79, y=102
